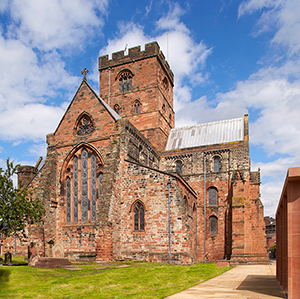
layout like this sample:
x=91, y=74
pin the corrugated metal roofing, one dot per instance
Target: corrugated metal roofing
x=223, y=131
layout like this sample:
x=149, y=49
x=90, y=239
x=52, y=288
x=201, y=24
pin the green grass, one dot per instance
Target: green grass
x=143, y=280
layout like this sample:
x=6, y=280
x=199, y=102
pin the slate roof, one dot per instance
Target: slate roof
x=223, y=131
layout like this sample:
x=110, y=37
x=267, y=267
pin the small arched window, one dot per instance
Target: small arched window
x=125, y=81
x=137, y=106
x=216, y=164
x=117, y=108
x=212, y=196
x=139, y=217
x=213, y=225
x=165, y=82
x=179, y=167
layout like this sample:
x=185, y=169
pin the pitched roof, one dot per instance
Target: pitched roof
x=223, y=131
x=111, y=111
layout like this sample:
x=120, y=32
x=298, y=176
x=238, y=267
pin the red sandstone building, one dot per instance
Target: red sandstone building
x=119, y=181
x=288, y=235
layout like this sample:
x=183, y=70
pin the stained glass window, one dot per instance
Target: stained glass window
x=68, y=200
x=93, y=186
x=75, y=189
x=84, y=186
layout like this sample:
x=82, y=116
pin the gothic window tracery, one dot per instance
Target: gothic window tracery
x=125, y=81
x=139, y=216
x=82, y=185
x=85, y=125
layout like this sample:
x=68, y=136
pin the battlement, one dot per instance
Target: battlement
x=151, y=50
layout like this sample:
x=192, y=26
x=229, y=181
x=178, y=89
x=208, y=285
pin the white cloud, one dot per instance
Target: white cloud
x=271, y=194
x=29, y=122
x=282, y=15
x=38, y=149
x=54, y=24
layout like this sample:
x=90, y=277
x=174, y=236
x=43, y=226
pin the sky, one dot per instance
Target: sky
x=229, y=57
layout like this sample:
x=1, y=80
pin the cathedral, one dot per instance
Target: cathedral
x=121, y=182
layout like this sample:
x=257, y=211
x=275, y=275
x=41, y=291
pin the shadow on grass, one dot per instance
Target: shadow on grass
x=4, y=276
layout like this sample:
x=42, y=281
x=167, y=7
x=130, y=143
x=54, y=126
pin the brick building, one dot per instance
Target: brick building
x=119, y=181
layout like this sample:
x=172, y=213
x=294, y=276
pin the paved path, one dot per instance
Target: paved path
x=243, y=282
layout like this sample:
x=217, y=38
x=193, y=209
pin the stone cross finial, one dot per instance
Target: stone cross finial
x=84, y=72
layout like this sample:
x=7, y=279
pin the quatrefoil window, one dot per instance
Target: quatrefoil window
x=85, y=126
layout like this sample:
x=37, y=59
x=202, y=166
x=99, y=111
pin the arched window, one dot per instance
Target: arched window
x=165, y=82
x=88, y=178
x=137, y=106
x=125, y=81
x=179, y=167
x=212, y=196
x=117, y=108
x=216, y=164
x=139, y=217
x=213, y=225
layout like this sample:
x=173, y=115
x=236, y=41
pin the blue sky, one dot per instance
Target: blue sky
x=229, y=58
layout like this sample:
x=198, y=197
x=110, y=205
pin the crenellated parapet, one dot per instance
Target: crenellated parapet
x=135, y=54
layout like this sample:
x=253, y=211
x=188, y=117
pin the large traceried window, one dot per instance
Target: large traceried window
x=139, y=216
x=83, y=176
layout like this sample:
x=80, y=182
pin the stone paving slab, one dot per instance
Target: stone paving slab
x=243, y=282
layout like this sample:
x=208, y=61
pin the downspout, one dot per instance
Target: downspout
x=109, y=86
x=169, y=222
x=196, y=232
x=204, y=169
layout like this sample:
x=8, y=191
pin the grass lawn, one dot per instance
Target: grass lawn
x=140, y=280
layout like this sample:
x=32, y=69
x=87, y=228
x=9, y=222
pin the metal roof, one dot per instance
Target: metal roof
x=223, y=131
x=110, y=110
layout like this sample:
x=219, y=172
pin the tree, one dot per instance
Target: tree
x=18, y=207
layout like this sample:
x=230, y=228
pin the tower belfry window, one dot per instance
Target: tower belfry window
x=125, y=82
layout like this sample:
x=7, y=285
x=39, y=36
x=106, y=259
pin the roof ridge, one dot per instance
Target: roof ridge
x=211, y=122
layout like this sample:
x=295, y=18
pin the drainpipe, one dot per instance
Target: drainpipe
x=196, y=232
x=204, y=166
x=169, y=222
x=109, y=86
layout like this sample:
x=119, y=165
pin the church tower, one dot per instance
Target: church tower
x=139, y=87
